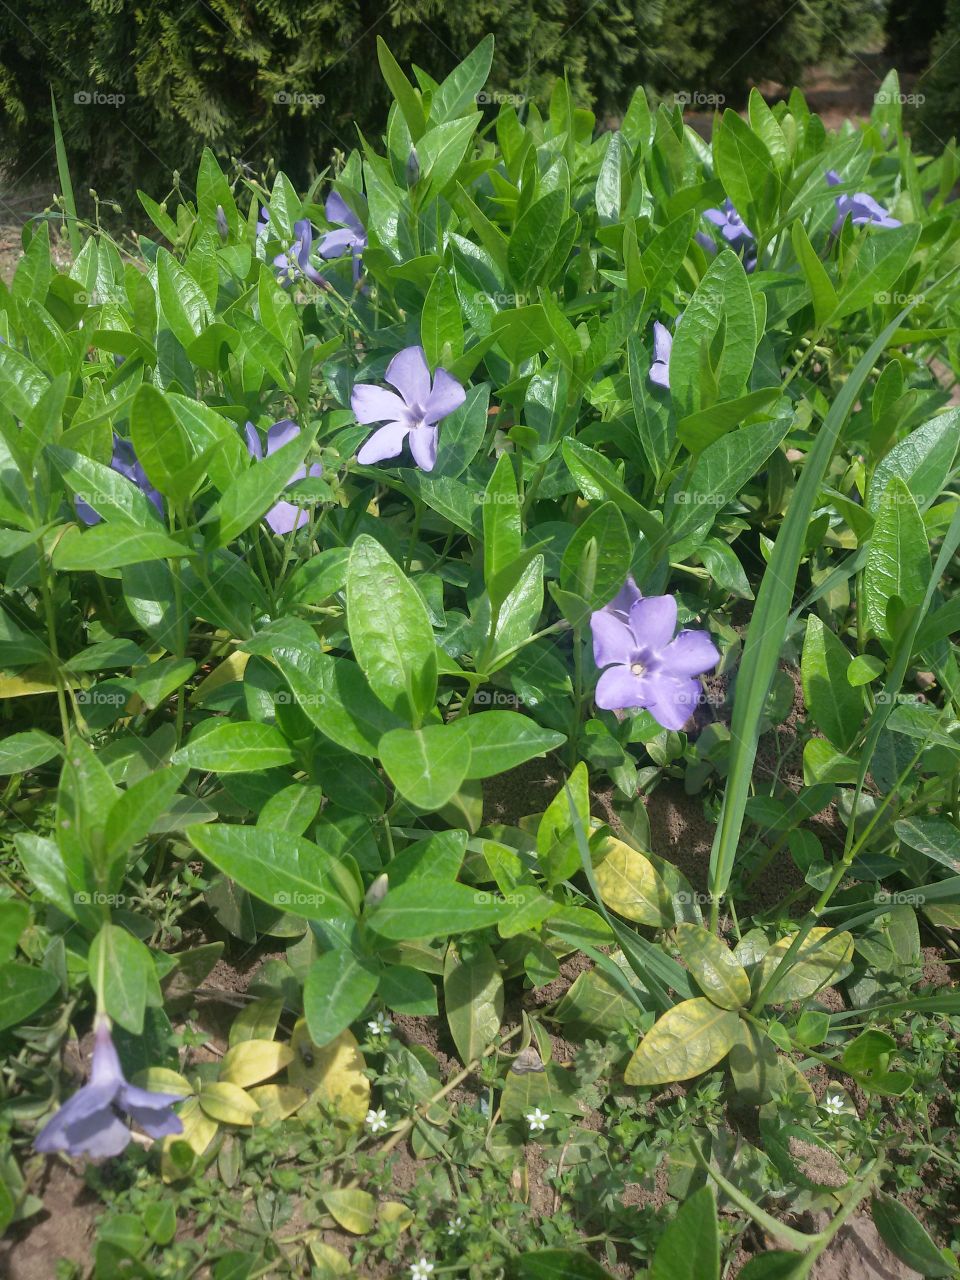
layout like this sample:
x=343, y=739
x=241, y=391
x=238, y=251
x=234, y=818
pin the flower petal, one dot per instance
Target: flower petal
x=691, y=654
x=619, y=689
x=626, y=597
x=337, y=209
x=156, y=1123
x=376, y=404
x=408, y=372
x=660, y=374
x=671, y=702
x=613, y=640
x=336, y=243
x=281, y=433
x=716, y=216
x=446, y=396
x=662, y=342
x=252, y=437
x=653, y=621
x=99, y=1136
x=423, y=446
x=385, y=443
x=284, y=517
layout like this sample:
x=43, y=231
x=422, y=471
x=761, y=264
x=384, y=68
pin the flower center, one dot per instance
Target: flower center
x=637, y=669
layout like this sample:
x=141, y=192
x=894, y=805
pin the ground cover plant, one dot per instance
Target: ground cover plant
x=376, y=559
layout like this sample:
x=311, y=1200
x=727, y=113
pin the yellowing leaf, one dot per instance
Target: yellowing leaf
x=812, y=967
x=715, y=969
x=629, y=884
x=394, y=1211
x=354, y=1210
x=251, y=1061
x=199, y=1131
x=331, y=1075
x=689, y=1039
x=256, y=1021
x=329, y=1262
x=276, y=1101
x=227, y=1103
x=163, y=1080
x=229, y=670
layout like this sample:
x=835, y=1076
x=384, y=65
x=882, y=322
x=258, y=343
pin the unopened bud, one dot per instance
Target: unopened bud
x=222, y=225
x=378, y=890
x=413, y=168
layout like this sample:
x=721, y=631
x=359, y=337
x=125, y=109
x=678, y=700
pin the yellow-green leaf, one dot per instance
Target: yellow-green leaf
x=163, y=1080
x=252, y=1061
x=354, y=1210
x=329, y=1262
x=395, y=1212
x=228, y=1104
x=629, y=884
x=199, y=1131
x=689, y=1039
x=277, y=1101
x=715, y=969
x=331, y=1075
x=813, y=966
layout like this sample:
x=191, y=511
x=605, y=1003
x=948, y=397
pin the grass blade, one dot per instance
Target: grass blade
x=66, y=186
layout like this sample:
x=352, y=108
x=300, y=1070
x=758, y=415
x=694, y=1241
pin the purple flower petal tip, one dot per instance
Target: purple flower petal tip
x=412, y=412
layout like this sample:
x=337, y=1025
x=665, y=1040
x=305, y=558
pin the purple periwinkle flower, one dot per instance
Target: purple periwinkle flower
x=283, y=517
x=412, y=415
x=860, y=208
x=90, y=1122
x=644, y=665
x=223, y=227
x=662, y=346
x=294, y=263
x=735, y=231
x=352, y=236
x=126, y=463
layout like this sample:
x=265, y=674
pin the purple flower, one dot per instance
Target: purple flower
x=413, y=415
x=735, y=231
x=351, y=238
x=645, y=665
x=126, y=463
x=662, y=346
x=90, y=1123
x=294, y=263
x=283, y=516
x=860, y=208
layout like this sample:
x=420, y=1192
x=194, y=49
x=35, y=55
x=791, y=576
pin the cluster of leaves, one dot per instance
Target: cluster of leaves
x=296, y=730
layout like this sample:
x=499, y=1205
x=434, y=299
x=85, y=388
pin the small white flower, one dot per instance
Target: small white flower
x=380, y=1025
x=455, y=1227
x=537, y=1119
x=376, y=1119
x=833, y=1104
x=420, y=1270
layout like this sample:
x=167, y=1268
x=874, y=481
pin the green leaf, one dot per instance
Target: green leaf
x=23, y=990
x=441, y=325
x=161, y=444
x=427, y=907
x=597, y=559
x=182, y=301
x=907, y=1238
x=131, y=818
x=834, y=704
x=898, y=557
x=501, y=740
x=687, y=1040
x=284, y=871
x=501, y=531
x=722, y=296
x=23, y=751
x=689, y=1249
x=337, y=989
x=747, y=171
x=390, y=631
x=240, y=746
x=719, y=474
x=534, y=239
x=110, y=494
x=715, y=969
x=557, y=848
x=255, y=491
x=459, y=91
x=936, y=838
x=122, y=974
x=426, y=765
x=700, y=429
x=559, y=1264
x=821, y=286
x=473, y=999
x=880, y=258
x=113, y=545
x=922, y=461
x=407, y=98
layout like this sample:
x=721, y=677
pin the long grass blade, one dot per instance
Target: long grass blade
x=66, y=186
